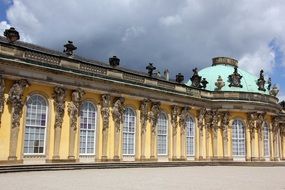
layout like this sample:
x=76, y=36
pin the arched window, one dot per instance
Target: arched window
x=162, y=134
x=190, y=136
x=238, y=138
x=36, y=122
x=129, y=132
x=88, y=116
x=266, y=139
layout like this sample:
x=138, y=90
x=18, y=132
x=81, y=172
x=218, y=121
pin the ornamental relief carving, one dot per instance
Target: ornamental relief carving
x=105, y=110
x=15, y=99
x=174, y=117
x=184, y=115
x=118, y=112
x=201, y=116
x=74, y=107
x=59, y=104
x=144, y=114
x=153, y=115
x=2, y=98
x=275, y=127
x=259, y=123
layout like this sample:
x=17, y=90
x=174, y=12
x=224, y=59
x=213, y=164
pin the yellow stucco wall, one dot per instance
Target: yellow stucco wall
x=95, y=98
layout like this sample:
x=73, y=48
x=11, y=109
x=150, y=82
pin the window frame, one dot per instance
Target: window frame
x=189, y=119
x=266, y=125
x=87, y=130
x=40, y=127
x=128, y=132
x=166, y=135
x=238, y=138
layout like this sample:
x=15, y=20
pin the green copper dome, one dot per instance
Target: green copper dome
x=224, y=67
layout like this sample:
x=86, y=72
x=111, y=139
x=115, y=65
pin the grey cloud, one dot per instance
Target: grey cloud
x=178, y=35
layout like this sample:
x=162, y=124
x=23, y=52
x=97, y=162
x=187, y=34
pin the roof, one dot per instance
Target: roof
x=248, y=81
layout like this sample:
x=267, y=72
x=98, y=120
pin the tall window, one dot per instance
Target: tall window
x=36, y=122
x=190, y=136
x=266, y=139
x=162, y=134
x=129, y=132
x=88, y=117
x=238, y=138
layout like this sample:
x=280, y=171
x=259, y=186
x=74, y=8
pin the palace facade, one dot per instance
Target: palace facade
x=59, y=107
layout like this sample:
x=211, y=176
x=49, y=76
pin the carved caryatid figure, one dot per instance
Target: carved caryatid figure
x=15, y=98
x=118, y=112
x=74, y=107
x=224, y=125
x=215, y=119
x=144, y=114
x=59, y=104
x=183, y=118
x=174, y=117
x=251, y=118
x=201, y=119
x=153, y=115
x=259, y=123
x=105, y=110
x=275, y=127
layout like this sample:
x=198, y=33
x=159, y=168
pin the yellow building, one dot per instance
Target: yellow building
x=58, y=107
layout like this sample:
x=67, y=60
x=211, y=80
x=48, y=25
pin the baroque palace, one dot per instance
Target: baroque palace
x=59, y=107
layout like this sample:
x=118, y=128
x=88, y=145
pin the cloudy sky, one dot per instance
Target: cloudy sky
x=174, y=34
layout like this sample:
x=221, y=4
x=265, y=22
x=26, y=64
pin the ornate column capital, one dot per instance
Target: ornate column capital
x=59, y=104
x=153, y=115
x=118, y=112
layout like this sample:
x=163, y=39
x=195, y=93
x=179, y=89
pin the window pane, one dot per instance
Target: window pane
x=162, y=134
x=238, y=138
x=129, y=132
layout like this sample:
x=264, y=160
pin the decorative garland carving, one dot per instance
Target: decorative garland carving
x=174, y=117
x=144, y=114
x=2, y=98
x=105, y=110
x=153, y=115
x=183, y=118
x=251, y=119
x=118, y=112
x=15, y=99
x=59, y=104
x=74, y=107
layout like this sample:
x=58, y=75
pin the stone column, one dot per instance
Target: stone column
x=143, y=118
x=74, y=112
x=200, y=125
x=118, y=117
x=214, y=124
x=105, y=112
x=251, y=125
x=259, y=126
x=153, y=117
x=2, y=97
x=174, y=123
x=184, y=116
x=282, y=134
x=208, y=126
x=224, y=131
x=59, y=105
x=275, y=131
x=16, y=102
